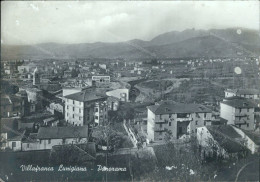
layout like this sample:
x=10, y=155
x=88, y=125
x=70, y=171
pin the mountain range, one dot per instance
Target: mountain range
x=185, y=44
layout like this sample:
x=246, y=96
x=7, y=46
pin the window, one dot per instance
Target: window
x=73, y=102
x=73, y=115
x=28, y=145
x=170, y=115
x=13, y=144
x=170, y=123
x=240, y=110
x=239, y=125
x=205, y=115
x=49, y=141
x=79, y=118
x=204, y=123
x=247, y=124
x=40, y=141
x=96, y=109
x=247, y=109
x=160, y=116
x=67, y=107
x=160, y=125
x=196, y=123
x=96, y=117
x=79, y=110
x=63, y=141
x=67, y=114
x=195, y=130
x=73, y=108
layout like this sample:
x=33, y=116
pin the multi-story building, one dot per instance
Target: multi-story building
x=239, y=112
x=246, y=93
x=85, y=107
x=181, y=119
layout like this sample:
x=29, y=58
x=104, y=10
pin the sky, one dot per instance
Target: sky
x=69, y=22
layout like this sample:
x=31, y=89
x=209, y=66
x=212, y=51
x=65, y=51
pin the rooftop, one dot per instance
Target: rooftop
x=62, y=132
x=244, y=91
x=240, y=102
x=169, y=107
x=10, y=126
x=227, y=137
x=254, y=136
x=86, y=95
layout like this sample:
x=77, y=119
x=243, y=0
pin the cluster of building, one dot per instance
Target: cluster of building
x=239, y=114
x=60, y=103
x=45, y=114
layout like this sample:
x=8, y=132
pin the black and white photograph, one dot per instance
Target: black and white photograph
x=131, y=91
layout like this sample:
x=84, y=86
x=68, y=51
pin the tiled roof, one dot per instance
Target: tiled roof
x=227, y=138
x=240, y=103
x=62, y=132
x=174, y=107
x=10, y=126
x=85, y=95
x=254, y=136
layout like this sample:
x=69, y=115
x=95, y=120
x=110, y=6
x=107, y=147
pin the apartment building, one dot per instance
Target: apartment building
x=239, y=112
x=85, y=107
x=181, y=119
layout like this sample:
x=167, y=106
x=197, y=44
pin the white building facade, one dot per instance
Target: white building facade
x=239, y=112
x=181, y=119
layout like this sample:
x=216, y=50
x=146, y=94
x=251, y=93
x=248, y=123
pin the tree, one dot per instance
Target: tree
x=74, y=73
x=106, y=136
x=154, y=62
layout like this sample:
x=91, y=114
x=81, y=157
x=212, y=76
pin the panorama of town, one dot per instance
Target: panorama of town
x=144, y=120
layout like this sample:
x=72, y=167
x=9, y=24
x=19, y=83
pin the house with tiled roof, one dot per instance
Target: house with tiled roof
x=86, y=107
x=221, y=141
x=182, y=119
x=252, y=139
x=48, y=137
x=239, y=112
x=245, y=93
x=11, y=136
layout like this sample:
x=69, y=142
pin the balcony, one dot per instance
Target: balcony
x=207, y=118
x=184, y=119
x=165, y=121
x=240, y=115
x=242, y=121
x=160, y=130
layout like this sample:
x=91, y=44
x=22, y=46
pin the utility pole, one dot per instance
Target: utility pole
x=130, y=168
